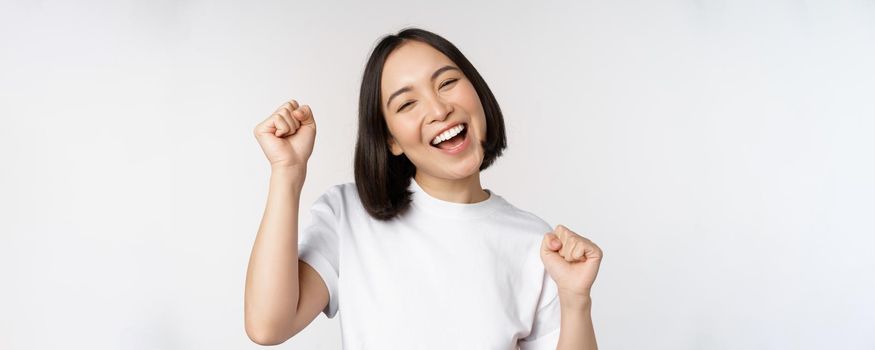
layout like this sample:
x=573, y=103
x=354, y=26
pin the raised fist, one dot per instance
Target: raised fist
x=287, y=136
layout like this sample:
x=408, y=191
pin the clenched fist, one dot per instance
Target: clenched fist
x=571, y=260
x=287, y=136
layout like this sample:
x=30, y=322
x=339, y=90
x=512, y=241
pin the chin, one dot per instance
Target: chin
x=465, y=169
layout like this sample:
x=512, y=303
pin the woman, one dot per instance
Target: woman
x=428, y=257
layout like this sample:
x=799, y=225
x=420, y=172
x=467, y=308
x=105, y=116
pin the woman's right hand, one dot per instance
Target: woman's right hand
x=287, y=136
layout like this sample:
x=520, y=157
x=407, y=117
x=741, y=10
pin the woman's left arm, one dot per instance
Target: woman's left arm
x=576, y=331
x=573, y=262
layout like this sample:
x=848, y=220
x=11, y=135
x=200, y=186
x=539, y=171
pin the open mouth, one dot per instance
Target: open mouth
x=453, y=141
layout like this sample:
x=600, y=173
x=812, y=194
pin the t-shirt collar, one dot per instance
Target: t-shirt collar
x=423, y=200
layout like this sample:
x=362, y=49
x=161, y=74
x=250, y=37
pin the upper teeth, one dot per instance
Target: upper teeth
x=446, y=135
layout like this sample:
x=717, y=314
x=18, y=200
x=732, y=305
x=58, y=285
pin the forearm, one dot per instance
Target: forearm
x=576, y=330
x=272, y=288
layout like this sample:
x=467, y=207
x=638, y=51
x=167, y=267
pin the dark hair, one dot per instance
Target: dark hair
x=381, y=177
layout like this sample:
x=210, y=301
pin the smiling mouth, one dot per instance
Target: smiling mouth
x=453, y=141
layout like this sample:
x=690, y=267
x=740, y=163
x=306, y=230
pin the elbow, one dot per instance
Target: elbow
x=263, y=336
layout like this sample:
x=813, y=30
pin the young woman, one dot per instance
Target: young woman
x=415, y=254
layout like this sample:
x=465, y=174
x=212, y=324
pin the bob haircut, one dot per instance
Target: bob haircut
x=381, y=177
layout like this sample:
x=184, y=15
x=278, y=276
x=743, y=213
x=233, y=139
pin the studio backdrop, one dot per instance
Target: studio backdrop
x=720, y=152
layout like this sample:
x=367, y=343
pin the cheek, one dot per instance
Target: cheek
x=469, y=99
x=467, y=96
x=405, y=131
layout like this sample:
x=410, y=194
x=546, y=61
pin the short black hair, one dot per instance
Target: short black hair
x=381, y=177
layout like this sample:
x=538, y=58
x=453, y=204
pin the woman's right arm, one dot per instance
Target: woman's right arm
x=283, y=295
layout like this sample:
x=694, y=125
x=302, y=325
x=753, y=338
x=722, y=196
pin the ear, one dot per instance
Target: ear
x=394, y=147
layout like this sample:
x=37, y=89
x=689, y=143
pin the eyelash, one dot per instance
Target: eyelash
x=448, y=82
x=402, y=106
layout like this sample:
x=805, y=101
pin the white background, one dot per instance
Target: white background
x=720, y=152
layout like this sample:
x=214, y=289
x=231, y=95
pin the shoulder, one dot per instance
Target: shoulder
x=523, y=219
x=340, y=198
x=342, y=191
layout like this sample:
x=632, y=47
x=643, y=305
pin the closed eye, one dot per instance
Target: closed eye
x=404, y=105
x=448, y=82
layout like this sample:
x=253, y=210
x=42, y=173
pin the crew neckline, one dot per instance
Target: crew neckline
x=425, y=201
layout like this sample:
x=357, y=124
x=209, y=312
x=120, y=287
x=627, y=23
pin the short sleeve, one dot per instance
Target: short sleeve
x=318, y=244
x=545, y=327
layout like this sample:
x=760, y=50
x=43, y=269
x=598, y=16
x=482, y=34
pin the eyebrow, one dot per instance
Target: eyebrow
x=433, y=77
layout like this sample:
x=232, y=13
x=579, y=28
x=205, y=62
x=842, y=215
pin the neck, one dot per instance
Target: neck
x=466, y=190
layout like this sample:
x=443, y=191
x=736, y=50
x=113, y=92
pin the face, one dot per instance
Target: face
x=426, y=96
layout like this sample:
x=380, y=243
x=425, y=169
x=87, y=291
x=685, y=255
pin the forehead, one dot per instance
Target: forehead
x=410, y=62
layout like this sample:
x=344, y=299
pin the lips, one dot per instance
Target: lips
x=445, y=129
x=455, y=145
x=452, y=142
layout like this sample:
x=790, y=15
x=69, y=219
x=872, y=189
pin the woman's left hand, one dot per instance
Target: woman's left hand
x=571, y=260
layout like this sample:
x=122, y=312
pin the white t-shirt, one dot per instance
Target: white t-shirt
x=442, y=276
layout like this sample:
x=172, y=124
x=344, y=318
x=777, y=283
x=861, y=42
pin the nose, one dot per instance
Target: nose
x=440, y=109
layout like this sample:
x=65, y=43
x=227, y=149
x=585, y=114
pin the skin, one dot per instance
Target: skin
x=432, y=106
x=283, y=294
